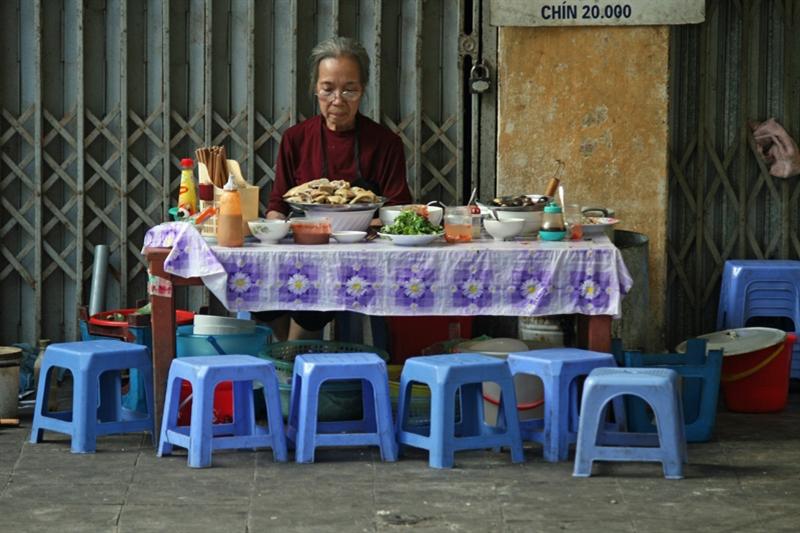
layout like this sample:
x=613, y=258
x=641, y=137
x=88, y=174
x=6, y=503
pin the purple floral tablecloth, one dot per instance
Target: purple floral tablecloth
x=484, y=277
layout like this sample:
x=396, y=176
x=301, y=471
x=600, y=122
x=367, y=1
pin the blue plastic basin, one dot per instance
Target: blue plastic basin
x=187, y=344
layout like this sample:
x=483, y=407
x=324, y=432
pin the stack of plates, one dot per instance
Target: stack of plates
x=222, y=325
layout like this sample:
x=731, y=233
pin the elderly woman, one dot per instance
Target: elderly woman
x=339, y=143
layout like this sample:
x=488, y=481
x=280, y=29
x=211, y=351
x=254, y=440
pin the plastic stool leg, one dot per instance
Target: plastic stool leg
x=274, y=417
x=307, y=421
x=201, y=431
x=508, y=406
x=40, y=408
x=383, y=417
x=556, y=426
x=592, y=412
x=84, y=412
x=441, y=453
x=170, y=417
x=404, y=396
x=671, y=434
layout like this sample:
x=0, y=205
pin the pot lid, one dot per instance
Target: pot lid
x=740, y=340
x=10, y=353
x=497, y=347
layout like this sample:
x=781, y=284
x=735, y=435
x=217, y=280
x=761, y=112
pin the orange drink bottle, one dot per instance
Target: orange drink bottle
x=229, y=219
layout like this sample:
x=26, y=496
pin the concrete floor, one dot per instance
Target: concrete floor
x=746, y=479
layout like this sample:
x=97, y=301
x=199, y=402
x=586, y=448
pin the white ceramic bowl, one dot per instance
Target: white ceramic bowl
x=533, y=220
x=343, y=220
x=410, y=240
x=349, y=236
x=389, y=213
x=270, y=231
x=504, y=229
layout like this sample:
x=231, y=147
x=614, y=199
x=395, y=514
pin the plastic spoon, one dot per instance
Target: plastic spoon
x=472, y=196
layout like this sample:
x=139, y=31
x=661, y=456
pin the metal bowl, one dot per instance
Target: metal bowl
x=338, y=207
x=538, y=203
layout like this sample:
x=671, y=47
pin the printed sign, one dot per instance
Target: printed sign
x=596, y=12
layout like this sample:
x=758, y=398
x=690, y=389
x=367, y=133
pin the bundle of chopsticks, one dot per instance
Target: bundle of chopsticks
x=216, y=161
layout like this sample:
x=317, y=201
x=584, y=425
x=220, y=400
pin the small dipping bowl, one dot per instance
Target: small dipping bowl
x=268, y=230
x=348, y=236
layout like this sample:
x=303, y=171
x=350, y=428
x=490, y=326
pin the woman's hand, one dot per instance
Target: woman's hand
x=275, y=215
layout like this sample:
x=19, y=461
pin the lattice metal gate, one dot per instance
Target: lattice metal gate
x=742, y=64
x=100, y=99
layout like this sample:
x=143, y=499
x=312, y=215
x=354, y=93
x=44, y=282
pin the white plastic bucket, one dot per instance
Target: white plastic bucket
x=529, y=389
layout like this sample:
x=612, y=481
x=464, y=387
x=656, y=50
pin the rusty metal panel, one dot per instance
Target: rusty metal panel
x=739, y=66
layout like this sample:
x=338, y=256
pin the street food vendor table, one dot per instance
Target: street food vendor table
x=515, y=278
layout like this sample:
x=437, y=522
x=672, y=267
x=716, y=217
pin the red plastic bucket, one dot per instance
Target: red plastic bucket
x=755, y=368
x=758, y=382
x=105, y=318
x=223, y=403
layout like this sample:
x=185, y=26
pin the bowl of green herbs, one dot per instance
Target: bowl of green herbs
x=410, y=229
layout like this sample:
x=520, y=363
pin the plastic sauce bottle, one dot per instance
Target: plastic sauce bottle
x=187, y=195
x=229, y=217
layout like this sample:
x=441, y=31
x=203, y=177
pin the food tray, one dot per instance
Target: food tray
x=339, y=207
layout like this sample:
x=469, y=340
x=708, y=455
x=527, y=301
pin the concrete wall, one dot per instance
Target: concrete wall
x=596, y=99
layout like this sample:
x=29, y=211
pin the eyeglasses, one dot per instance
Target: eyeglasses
x=330, y=96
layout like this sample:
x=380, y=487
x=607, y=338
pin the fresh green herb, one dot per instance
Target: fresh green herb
x=410, y=223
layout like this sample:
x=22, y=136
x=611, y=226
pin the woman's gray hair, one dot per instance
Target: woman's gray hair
x=338, y=47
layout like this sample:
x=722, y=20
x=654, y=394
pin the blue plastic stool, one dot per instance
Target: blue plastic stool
x=760, y=288
x=97, y=407
x=660, y=388
x=134, y=398
x=202, y=436
x=700, y=392
x=446, y=374
x=558, y=368
x=375, y=429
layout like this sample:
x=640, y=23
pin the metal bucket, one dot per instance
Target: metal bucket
x=634, y=326
x=10, y=358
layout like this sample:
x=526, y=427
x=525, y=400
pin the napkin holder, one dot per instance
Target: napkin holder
x=248, y=195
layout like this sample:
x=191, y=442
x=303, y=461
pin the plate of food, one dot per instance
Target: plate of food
x=410, y=229
x=333, y=195
x=597, y=225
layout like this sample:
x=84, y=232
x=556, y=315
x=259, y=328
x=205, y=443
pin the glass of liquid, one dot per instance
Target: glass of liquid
x=457, y=224
x=574, y=219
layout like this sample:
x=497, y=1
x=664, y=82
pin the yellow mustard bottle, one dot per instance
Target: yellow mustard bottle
x=187, y=194
x=229, y=217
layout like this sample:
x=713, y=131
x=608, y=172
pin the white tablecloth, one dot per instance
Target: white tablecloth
x=485, y=277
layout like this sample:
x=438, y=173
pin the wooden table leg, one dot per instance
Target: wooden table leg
x=594, y=332
x=163, y=317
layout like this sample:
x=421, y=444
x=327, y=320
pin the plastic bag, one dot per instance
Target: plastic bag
x=777, y=148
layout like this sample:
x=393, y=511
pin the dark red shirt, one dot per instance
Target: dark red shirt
x=300, y=159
